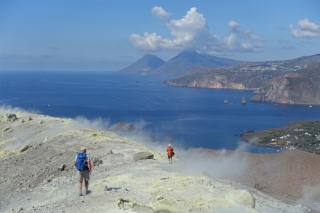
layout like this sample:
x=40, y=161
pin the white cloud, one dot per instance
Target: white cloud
x=160, y=13
x=249, y=34
x=306, y=29
x=232, y=40
x=192, y=33
x=152, y=42
x=232, y=43
x=233, y=26
x=305, y=24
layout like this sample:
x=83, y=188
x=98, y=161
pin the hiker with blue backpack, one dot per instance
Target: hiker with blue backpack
x=83, y=165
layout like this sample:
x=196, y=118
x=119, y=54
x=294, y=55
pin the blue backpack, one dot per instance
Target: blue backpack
x=81, y=161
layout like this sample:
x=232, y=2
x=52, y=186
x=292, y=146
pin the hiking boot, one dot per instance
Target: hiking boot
x=87, y=192
x=80, y=193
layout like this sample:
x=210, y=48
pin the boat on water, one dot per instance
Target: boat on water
x=310, y=105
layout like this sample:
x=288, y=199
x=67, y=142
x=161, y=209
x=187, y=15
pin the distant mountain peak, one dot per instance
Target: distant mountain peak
x=143, y=66
x=152, y=65
x=189, y=52
x=189, y=60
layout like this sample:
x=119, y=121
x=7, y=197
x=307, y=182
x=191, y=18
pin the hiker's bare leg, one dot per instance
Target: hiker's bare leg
x=86, y=184
x=80, y=186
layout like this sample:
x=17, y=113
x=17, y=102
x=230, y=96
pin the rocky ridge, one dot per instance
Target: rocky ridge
x=289, y=81
x=301, y=87
x=37, y=153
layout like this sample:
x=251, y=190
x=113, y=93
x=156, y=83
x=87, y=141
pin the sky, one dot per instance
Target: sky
x=108, y=35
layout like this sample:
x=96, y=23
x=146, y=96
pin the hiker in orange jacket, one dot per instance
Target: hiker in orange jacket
x=170, y=152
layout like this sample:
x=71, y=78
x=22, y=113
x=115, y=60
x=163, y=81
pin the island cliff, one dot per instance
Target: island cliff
x=293, y=81
x=301, y=87
x=206, y=77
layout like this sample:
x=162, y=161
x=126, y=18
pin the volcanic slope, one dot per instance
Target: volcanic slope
x=143, y=66
x=188, y=60
x=184, y=61
x=37, y=155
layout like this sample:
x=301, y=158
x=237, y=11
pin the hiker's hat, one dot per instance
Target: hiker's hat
x=169, y=144
x=83, y=148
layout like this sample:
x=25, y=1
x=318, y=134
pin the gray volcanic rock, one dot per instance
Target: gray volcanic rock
x=143, y=156
x=25, y=148
x=189, y=60
x=143, y=66
x=10, y=117
x=243, y=100
x=61, y=167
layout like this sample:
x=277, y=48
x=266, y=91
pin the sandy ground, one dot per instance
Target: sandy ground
x=291, y=176
x=37, y=154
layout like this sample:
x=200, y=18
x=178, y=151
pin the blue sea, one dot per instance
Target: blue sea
x=193, y=117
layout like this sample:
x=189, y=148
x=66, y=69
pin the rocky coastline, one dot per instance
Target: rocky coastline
x=37, y=154
x=271, y=82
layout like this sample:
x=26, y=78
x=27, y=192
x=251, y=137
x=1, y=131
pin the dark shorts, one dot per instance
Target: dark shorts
x=83, y=175
x=170, y=156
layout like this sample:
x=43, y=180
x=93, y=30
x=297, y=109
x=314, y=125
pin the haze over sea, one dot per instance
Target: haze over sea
x=194, y=117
